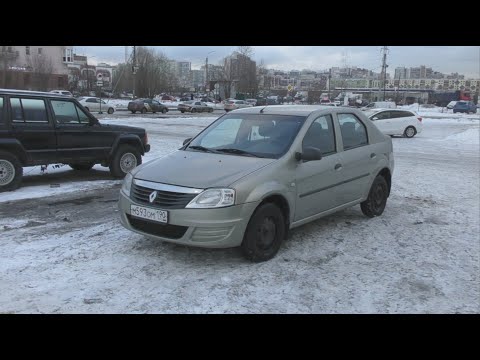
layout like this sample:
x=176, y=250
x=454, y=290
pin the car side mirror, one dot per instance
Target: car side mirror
x=375, y=118
x=309, y=153
x=186, y=141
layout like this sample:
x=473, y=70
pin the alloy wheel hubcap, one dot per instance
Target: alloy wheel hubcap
x=7, y=172
x=266, y=233
x=410, y=132
x=127, y=162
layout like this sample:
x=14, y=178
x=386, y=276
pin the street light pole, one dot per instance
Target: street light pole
x=133, y=72
x=207, y=85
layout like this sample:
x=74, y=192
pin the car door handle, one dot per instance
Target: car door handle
x=373, y=156
x=338, y=166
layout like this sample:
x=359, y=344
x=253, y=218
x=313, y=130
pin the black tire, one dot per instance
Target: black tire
x=454, y=112
x=194, y=110
x=11, y=172
x=210, y=110
x=81, y=166
x=377, y=198
x=110, y=110
x=182, y=111
x=125, y=159
x=134, y=111
x=264, y=234
x=154, y=112
x=164, y=110
x=144, y=110
x=410, y=132
x=86, y=108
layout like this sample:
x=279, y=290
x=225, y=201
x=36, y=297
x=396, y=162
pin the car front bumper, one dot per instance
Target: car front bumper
x=209, y=228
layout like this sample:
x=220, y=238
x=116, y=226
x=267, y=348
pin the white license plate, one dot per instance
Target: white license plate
x=149, y=213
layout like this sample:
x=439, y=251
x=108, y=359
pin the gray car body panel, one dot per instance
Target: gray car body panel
x=311, y=189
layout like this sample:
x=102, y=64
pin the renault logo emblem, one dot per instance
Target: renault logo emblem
x=153, y=196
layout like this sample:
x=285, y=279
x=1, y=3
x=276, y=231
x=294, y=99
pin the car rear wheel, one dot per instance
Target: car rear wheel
x=410, y=132
x=144, y=110
x=264, y=234
x=134, y=111
x=125, y=159
x=194, y=110
x=182, y=111
x=81, y=166
x=377, y=198
x=164, y=110
x=210, y=110
x=110, y=110
x=11, y=172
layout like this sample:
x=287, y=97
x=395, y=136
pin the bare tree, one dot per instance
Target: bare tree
x=7, y=57
x=42, y=69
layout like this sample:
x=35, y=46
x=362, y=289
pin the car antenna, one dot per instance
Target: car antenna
x=261, y=110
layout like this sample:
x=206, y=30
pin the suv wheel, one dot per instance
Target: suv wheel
x=11, y=172
x=264, y=234
x=81, y=166
x=110, y=110
x=377, y=198
x=125, y=159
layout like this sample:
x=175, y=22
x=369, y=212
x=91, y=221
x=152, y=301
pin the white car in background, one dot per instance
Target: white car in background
x=396, y=121
x=62, y=92
x=235, y=104
x=93, y=104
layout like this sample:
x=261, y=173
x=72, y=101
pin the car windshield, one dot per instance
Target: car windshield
x=259, y=135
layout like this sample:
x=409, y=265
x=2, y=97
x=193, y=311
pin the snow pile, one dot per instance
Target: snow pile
x=470, y=137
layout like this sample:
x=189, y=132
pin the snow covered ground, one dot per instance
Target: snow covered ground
x=63, y=250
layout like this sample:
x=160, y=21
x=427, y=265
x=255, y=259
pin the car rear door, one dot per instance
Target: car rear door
x=357, y=160
x=77, y=139
x=33, y=126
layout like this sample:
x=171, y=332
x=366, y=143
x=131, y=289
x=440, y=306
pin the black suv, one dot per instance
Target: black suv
x=38, y=128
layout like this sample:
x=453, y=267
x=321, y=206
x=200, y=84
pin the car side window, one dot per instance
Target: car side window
x=321, y=135
x=382, y=115
x=354, y=133
x=91, y=100
x=28, y=110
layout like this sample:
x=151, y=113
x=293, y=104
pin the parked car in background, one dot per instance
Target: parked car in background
x=396, y=121
x=146, y=105
x=260, y=172
x=252, y=102
x=62, y=92
x=168, y=98
x=235, y=104
x=208, y=99
x=42, y=128
x=465, y=107
x=194, y=106
x=95, y=104
x=261, y=101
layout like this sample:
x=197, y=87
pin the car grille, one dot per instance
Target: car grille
x=157, y=229
x=164, y=199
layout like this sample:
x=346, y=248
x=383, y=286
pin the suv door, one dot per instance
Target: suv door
x=316, y=180
x=358, y=158
x=77, y=138
x=32, y=126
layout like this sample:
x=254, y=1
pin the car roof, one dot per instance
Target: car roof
x=299, y=110
x=30, y=93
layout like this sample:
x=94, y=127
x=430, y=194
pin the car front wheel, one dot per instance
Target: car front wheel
x=11, y=172
x=81, y=166
x=164, y=110
x=194, y=110
x=144, y=110
x=110, y=110
x=377, y=198
x=264, y=234
x=125, y=159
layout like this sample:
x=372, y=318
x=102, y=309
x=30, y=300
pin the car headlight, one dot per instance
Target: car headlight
x=213, y=198
x=127, y=184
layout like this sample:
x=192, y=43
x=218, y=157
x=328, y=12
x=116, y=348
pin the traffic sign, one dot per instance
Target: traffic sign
x=100, y=83
x=289, y=87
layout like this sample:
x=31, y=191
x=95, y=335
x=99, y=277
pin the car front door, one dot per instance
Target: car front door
x=32, y=126
x=91, y=104
x=316, y=180
x=77, y=139
x=357, y=160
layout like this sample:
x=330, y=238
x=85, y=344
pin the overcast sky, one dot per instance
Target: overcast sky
x=446, y=59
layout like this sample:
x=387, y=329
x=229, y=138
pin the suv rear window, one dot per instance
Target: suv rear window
x=28, y=110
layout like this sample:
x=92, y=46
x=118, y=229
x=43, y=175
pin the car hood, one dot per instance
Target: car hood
x=124, y=129
x=199, y=169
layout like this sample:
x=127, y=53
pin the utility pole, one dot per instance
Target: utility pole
x=134, y=70
x=206, y=74
x=384, y=69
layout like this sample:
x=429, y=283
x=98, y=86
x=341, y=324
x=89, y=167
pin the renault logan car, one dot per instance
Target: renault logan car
x=255, y=173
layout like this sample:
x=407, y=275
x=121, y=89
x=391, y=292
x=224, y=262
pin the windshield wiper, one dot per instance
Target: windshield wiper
x=238, y=151
x=201, y=148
